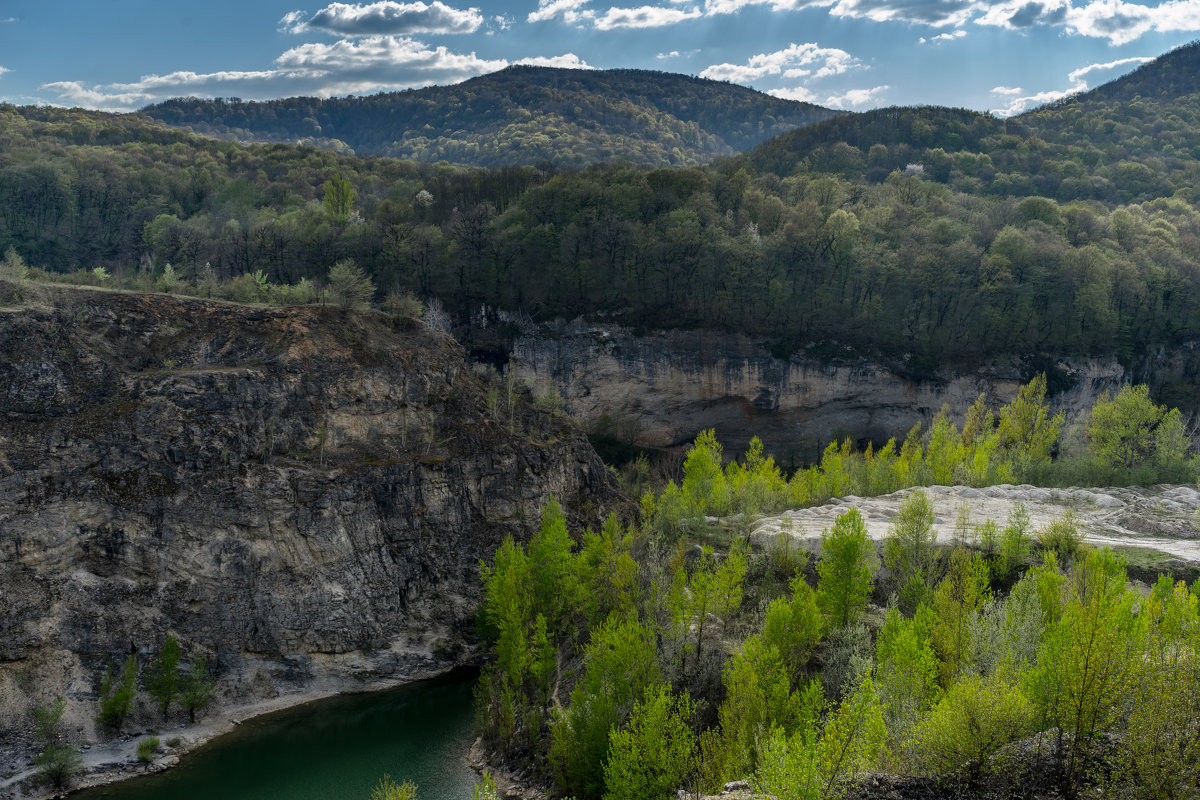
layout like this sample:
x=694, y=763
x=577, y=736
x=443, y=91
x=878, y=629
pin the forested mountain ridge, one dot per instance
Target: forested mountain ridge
x=519, y=115
x=999, y=241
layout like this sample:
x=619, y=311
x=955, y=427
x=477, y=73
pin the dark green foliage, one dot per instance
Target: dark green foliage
x=162, y=675
x=520, y=115
x=117, y=691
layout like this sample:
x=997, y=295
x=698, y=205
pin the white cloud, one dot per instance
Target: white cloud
x=569, y=11
x=795, y=93
x=4, y=70
x=565, y=61
x=386, y=17
x=672, y=54
x=1076, y=77
x=1117, y=21
x=796, y=60
x=855, y=97
x=1007, y=91
x=370, y=64
x=945, y=37
x=643, y=17
x=937, y=13
x=712, y=7
x=1022, y=14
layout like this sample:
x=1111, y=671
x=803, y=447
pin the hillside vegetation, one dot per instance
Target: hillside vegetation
x=929, y=237
x=520, y=115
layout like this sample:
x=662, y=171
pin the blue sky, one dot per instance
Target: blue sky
x=990, y=55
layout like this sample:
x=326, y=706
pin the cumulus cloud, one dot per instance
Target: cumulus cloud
x=855, y=97
x=370, y=64
x=1117, y=21
x=1025, y=14
x=569, y=11
x=643, y=17
x=383, y=18
x=794, y=61
x=565, y=61
x=795, y=93
x=1076, y=79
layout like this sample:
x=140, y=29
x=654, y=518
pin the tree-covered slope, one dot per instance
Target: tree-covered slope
x=520, y=115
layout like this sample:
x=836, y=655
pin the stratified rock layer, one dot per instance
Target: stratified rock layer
x=303, y=495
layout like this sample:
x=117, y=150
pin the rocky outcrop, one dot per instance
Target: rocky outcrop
x=303, y=494
x=661, y=389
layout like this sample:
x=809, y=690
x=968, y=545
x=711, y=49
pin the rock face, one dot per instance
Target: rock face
x=303, y=495
x=661, y=389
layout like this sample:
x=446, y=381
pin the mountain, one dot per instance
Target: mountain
x=520, y=115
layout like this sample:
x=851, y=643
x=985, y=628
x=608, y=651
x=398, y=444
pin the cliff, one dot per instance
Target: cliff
x=661, y=389
x=303, y=495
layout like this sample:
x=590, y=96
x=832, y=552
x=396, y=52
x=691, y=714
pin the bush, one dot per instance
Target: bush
x=388, y=789
x=117, y=692
x=146, y=748
x=1062, y=536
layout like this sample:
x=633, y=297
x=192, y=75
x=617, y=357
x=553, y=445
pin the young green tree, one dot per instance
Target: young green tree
x=757, y=699
x=1130, y=430
x=957, y=600
x=907, y=669
x=339, y=197
x=117, y=691
x=57, y=762
x=162, y=675
x=794, y=626
x=1027, y=432
x=845, y=569
x=196, y=687
x=909, y=551
x=13, y=267
x=649, y=758
x=349, y=285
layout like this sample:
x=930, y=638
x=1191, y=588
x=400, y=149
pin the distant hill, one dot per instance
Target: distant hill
x=520, y=115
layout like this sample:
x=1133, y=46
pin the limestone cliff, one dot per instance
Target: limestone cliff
x=301, y=494
x=661, y=389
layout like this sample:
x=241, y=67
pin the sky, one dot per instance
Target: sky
x=1002, y=56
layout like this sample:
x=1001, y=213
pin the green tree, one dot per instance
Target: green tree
x=649, y=758
x=13, y=267
x=349, y=285
x=162, y=675
x=845, y=569
x=57, y=762
x=117, y=691
x=907, y=669
x=908, y=550
x=794, y=626
x=196, y=687
x=1130, y=430
x=339, y=197
x=958, y=598
x=1027, y=431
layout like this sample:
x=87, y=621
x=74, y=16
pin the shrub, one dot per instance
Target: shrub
x=146, y=748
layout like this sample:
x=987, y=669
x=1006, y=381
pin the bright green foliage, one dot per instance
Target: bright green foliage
x=907, y=669
x=945, y=451
x=1163, y=730
x=1086, y=667
x=794, y=626
x=845, y=569
x=757, y=698
x=57, y=762
x=808, y=765
x=388, y=789
x=162, y=675
x=349, y=285
x=958, y=598
x=909, y=550
x=1006, y=633
x=714, y=592
x=618, y=664
x=611, y=570
x=1062, y=536
x=557, y=591
x=649, y=758
x=1015, y=541
x=339, y=197
x=1026, y=430
x=196, y=687
x=704, y=487
x=486, y=789
x=1130, y=430
x=147, y=746
x=508, y=607
x=975, y=718
x=117, y=691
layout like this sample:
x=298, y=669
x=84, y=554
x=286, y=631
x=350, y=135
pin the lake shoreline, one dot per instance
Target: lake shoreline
x=116, y=761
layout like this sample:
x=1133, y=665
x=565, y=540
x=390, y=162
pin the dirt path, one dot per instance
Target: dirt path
x=1159, y=518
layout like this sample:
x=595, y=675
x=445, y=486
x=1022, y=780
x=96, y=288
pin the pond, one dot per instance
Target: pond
x=334, y=749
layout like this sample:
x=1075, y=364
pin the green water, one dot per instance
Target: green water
x=335, y=749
